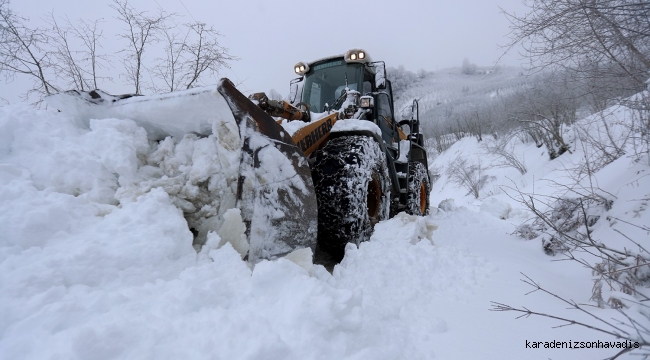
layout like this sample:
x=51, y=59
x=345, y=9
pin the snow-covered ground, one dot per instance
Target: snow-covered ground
x=96, y=260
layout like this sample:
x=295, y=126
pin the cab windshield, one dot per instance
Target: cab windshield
x=326, y=81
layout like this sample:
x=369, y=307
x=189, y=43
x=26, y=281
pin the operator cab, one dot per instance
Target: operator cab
x=326, y=79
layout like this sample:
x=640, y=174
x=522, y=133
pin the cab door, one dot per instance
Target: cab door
x=385, y=118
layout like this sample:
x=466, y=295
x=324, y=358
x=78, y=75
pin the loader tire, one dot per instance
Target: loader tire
x=352, y=190
x=419, y=187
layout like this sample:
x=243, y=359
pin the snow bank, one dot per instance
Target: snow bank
x=111, y=161
x=496, y=207
x=96, y=259
x=96, y=256
x=195, y=110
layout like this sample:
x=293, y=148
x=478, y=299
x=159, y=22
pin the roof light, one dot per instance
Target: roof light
x=301, y=68
x=357, y=55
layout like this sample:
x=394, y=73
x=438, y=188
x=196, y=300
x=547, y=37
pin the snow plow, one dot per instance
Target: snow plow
x=364, y=167
x=317, y=171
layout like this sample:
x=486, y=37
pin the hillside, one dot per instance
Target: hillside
x=440, y=92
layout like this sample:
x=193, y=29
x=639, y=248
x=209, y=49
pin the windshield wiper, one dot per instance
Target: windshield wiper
x=340, y=100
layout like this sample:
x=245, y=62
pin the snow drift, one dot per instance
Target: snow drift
x=96, y=260
x=96, y=257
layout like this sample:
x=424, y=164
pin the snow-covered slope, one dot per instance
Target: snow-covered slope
x=441, y=91
x=580, y=175
x=96, y=261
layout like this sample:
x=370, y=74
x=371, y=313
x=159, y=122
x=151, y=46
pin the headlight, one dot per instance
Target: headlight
x=301, y=68
x=367, y=102
x=362, y=55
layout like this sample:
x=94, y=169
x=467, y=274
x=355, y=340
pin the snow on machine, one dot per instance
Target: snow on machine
x=334, y=164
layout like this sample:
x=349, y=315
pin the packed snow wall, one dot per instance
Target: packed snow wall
x=186, y=143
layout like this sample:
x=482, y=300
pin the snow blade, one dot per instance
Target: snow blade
x=275, y=192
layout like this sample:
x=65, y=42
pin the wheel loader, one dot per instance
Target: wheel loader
x=364, y=166
x=317, y=171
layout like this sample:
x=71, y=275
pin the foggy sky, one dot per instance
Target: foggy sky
x=269, y=37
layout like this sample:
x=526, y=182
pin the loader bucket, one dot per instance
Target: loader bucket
x=275, y=192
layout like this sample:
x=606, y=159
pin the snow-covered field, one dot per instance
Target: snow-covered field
x=96, y=260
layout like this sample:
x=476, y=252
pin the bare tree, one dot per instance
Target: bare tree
x=468, y=68
x=621, y=272
x=25, y=51
x=90, y=36
x=602, y=139
x=506, y=154
x=206, y=55
x=141, y=32
x=401, y=79
x=602, y=38
x=65, y=63
x=190, y=57
x=545, y=109
x=641, y=127
x=635, y=336
x=169, y=68
x=66, y=55
x=76, y=53
x=469, y=176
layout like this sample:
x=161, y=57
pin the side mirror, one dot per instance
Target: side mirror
x=415, y=116
x=295, y=87
x=380, y=74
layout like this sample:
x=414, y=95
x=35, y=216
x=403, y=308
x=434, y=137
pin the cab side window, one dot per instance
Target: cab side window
x=384, y=115
x=315, y=97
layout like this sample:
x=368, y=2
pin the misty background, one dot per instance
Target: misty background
x=268, y=38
